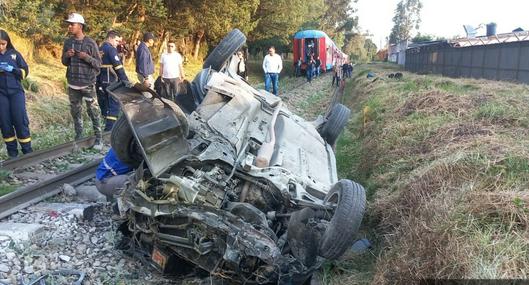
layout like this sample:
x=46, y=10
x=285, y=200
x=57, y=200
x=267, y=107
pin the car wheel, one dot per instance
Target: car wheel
x=350, y=199
x=336, y=121
x=124, y=144
x=198, y=86
x=231, y=43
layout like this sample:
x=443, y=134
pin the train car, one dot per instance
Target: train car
x=316, y=43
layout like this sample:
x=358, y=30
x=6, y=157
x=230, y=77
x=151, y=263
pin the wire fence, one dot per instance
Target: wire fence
x=503, y=61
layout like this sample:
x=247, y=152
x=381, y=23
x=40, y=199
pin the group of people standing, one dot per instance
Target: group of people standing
x=313, y=67
x=89, y=71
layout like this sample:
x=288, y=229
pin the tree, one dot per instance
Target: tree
x=422, y=38
x=338, y=17
x=359, y=48
x=407, y=17
x=278, y=19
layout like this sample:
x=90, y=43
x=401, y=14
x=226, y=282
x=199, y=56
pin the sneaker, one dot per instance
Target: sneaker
x=98, y=144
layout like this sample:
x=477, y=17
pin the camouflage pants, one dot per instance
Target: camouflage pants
x=77, y=97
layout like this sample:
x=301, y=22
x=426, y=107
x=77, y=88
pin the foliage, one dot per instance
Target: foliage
x=445, y=164
x=338, y=16
x=193, y=21
x=407, y=17
x=360, y=49
x=422, y=38
x=278, y=20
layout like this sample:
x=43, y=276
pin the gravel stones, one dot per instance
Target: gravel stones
x=4, y=268
x=68, y=242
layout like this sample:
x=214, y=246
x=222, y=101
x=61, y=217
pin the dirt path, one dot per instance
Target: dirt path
x=309, y=99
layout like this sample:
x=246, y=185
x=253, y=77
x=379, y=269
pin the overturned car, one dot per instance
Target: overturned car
x=230, y=183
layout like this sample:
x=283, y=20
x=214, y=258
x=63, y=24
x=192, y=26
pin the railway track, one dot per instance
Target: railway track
x=41, y=155
x=28, y=195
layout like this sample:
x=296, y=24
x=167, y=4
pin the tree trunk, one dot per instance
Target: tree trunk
x=198, y=38
x=137, y=33
x=163, y=43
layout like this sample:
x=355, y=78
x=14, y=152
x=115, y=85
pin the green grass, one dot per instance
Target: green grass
x=437, y=175
x=256, y=76
x=5, y=187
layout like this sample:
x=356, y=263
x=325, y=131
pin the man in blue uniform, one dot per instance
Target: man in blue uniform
x=111, y=71
x=111, y=175
x=14, y=120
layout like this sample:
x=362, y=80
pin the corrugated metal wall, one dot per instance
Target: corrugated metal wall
x=506, y=61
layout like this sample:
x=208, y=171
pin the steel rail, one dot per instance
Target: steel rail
x=57, y=151
x=24, y=197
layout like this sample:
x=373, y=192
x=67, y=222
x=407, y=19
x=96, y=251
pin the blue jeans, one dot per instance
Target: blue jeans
x=272, y=78
x=310, y=74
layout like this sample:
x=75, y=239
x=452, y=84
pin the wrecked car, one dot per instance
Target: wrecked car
x=229, y=182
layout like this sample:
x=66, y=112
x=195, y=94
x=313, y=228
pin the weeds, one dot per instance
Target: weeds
x=446, y=166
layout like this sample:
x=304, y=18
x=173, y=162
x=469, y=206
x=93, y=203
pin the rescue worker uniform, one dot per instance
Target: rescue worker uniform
x=111, y=71
x=14, y=120
x=111, y=175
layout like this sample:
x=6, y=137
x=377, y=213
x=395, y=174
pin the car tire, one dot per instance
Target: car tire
x=231, y=43
x=198, y=86
x=350, y=199
x=124, y=144
x=335, y=123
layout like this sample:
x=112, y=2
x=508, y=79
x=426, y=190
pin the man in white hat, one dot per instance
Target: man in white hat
x=80, y=55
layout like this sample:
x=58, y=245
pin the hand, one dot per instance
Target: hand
x=83, y=55
x=6, y=67
x=70, y=52
x=146, y=83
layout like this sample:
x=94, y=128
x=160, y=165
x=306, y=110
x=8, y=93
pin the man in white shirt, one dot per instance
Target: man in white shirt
x=171, y=70
x=272, y=66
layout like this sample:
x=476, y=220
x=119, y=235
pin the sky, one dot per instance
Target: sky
x=445, y=17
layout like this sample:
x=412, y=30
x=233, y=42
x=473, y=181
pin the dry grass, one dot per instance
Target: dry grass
x=446, y=164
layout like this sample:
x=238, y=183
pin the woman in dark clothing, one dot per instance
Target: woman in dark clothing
x=14, y=120
x=242, y=69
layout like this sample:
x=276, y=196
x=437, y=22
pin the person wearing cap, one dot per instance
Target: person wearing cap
x=144, y=63
x=111, y=71
x=80, y=55
x=14, y=120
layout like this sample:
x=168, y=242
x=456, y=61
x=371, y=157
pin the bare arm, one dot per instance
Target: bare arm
x=182, y=74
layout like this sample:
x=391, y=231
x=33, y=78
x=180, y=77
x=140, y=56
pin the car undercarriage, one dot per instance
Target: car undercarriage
x=237, y=187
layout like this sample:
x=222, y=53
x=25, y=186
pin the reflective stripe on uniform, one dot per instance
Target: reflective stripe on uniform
x=112, y=118
x=107, y=65
x=109, y=168
x=26, y=140
x=11, y=139
x=23, y=73
x=118, y=67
